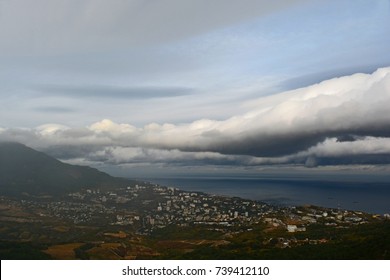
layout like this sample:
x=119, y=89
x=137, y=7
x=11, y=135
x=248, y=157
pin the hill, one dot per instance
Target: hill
x=25, y=170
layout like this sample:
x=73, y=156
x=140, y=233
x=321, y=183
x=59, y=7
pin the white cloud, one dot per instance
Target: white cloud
x=279, y=129
x=123, y=155
x=112, y=128
x=50, y=129
x=331, y=147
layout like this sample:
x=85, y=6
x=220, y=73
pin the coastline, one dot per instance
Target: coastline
x=366, y=196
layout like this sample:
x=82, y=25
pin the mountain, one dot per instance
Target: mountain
x=25, y=170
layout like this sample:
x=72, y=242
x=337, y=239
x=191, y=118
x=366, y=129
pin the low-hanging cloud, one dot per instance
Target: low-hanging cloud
x=344, y=117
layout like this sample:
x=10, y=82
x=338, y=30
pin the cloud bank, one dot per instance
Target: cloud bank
x=338, y=121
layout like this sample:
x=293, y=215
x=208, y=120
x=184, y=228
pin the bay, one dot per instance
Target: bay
x=360, y=193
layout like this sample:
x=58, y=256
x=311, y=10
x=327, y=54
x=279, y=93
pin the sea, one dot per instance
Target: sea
x=368, y=193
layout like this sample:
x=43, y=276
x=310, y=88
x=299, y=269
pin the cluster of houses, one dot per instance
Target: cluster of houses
x=146, y=207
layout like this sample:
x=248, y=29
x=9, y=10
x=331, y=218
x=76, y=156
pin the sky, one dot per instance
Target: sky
x=150, y=87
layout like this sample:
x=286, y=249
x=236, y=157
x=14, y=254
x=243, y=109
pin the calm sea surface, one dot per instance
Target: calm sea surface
x=364, y=193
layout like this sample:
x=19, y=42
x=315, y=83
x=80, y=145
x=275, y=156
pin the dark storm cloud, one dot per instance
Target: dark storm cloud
x=343, y=120
x=66, y=152
x=280, y=145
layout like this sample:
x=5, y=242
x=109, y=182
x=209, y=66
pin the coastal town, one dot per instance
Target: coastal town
x=121, y=223
x=146, y=207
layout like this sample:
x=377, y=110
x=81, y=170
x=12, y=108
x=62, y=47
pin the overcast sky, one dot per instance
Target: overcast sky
x=197, y=85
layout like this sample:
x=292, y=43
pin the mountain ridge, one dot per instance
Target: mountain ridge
x=25, y=170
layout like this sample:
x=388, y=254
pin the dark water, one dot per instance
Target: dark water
x=363, y=194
